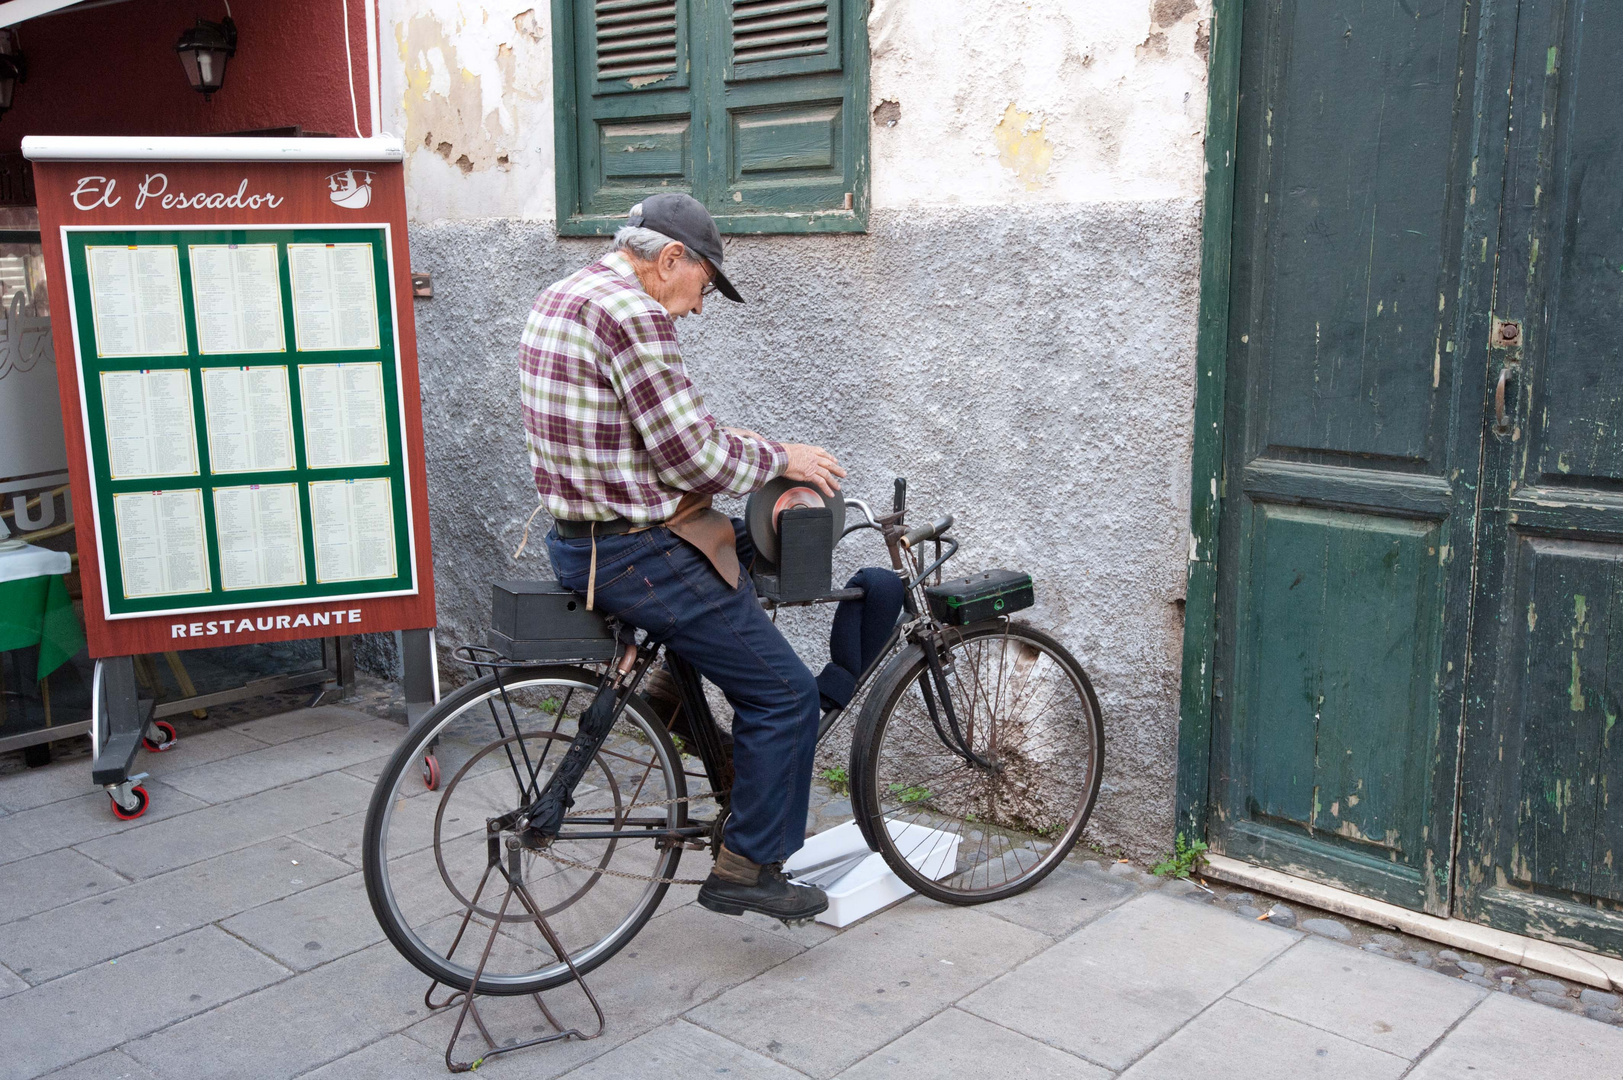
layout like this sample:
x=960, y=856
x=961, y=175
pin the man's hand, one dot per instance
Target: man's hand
x=815, y=466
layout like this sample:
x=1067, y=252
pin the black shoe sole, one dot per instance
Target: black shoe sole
x=725, y=907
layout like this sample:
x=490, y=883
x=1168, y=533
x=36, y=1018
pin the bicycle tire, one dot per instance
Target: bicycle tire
x=879, y=807
x=402, y=775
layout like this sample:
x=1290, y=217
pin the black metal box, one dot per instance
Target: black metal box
x=543, y=621
x=805, y=568
x=979, y=597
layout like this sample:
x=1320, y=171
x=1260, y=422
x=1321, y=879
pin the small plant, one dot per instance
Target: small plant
x=836, y=779
x=909, y=795
x=1185, y=859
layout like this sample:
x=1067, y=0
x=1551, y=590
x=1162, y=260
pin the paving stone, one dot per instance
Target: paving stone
x=1590, y=996
x=102, y=1007
x=1248, y=911
x=284, y=727
x=1281, y=915
x=1064, y=900
x=299, y=1023
x=1559, y=1001
x=1420, y=957
x=1549, y=986
x=1240, y=898
x=1179, y=887
x=1118, y=986
x=285, y=762
x=166, y=845
x=412, y=830
x=681, y=958
x=1123, y=870
x=1378, y=950
x=51, y=880
x=84, y=818
x=1509, y=1039
x=55, y=942
x=955, y=1045
x=1479, y=980
x=113, y=1065
x=892, y=972
x=1472, y=967
x=1450, y=955
x=11, y=982
x=1603, y=1014
x=312, y=927
x=1232, y=1039
x=1327, y=928
x=198, y=748
x=1388, y=942
x=46, y=784
x=680, y=1050
x=1369, y=999
x=393, y=1058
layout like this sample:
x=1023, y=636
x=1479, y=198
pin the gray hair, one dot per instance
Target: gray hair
x=646, y=244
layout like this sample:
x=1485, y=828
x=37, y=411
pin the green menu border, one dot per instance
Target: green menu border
x=104, y=487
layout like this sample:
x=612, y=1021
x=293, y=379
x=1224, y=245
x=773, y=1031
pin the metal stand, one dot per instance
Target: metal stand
x=513, y=873
x=121, y=720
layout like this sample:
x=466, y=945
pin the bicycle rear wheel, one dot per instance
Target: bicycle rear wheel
x=967, y=831
x=425, y=853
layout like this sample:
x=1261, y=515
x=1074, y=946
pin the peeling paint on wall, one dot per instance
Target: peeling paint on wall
x=1023, y=147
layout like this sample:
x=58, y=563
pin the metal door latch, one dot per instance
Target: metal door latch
x=1507, y=334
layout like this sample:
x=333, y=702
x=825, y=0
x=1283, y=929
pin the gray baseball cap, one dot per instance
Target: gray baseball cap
x=682, y=217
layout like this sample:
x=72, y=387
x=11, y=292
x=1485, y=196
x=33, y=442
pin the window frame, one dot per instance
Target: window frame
x=566, y=87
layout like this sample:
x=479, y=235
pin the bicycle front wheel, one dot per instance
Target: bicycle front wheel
x=427, y=853
x=988, y=810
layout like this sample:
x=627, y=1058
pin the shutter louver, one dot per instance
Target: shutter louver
x=778, y=29
x=636, y=39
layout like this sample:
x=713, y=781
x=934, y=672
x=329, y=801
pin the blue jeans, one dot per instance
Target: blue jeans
x=662, y=584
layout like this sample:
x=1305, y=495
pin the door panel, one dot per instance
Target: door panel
x=1542, y=759
x=1338, y=684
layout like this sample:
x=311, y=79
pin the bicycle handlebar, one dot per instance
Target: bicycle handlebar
x=920, y=534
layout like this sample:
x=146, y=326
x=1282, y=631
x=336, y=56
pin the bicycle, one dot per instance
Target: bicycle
x=983, y=741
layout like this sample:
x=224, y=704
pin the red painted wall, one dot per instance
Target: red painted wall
x=113, y=71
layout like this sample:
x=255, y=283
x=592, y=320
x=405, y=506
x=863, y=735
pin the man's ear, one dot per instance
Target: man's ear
x=670, y=255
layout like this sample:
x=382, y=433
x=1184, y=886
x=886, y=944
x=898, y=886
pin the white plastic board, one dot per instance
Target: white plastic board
x=871, y=885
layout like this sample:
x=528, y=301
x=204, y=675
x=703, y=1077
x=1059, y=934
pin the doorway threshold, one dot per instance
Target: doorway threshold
x=1576, y=965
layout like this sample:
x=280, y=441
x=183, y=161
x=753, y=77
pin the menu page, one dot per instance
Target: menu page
x=335, y=303
x=237, y=292
x=261, y=544
x=149, y=423
x=135, y=300
x=343, y=415
x=161, y=548
x=353, y=525
x=250, y=421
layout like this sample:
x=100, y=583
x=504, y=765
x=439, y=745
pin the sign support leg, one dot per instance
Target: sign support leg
x=420, y=668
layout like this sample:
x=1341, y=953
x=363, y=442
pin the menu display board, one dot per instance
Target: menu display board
x=246, y=438
x=297, y=478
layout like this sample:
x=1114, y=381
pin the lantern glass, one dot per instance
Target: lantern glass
x=11, y=67
x=204, y=50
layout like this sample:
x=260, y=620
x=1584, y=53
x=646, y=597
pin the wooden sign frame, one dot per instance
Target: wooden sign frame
x=301, y=192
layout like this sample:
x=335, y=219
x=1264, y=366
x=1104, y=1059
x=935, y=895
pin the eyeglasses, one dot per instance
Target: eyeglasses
x=710, y=286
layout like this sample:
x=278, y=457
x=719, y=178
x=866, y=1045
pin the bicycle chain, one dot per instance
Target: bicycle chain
x=548, y=854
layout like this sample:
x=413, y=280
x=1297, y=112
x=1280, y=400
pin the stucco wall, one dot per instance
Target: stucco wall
x=976, y=102
x=1015, y=333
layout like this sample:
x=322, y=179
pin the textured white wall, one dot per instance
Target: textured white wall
x=978, y=102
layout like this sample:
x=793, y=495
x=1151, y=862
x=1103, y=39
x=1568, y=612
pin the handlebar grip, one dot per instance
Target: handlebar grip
x=922, y=533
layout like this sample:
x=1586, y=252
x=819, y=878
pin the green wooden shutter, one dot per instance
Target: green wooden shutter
x=756, y=107
x=788, y=138
x=634, y=131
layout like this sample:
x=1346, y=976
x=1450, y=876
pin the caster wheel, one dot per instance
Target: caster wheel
x=122, y=814
x=170, y=737
x=431, y=772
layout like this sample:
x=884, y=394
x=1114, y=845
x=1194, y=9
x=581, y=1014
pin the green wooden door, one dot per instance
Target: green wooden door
x=1363, y=190
x=1543, y=750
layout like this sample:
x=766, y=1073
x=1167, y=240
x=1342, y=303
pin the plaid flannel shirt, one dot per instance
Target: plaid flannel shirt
x=613, y=425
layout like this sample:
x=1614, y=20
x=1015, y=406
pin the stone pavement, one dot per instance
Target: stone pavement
x=226, y=934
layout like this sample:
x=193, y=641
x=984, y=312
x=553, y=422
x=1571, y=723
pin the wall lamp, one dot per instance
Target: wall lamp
x=203, y=50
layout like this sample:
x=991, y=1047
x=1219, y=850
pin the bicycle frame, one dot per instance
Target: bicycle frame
x=712, y=751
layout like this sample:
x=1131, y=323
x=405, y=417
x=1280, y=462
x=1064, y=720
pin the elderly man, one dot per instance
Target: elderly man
x=626, y=459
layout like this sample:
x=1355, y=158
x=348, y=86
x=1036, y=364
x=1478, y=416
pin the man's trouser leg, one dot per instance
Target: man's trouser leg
x=662, y=584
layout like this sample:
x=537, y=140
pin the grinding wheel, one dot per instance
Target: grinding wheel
x=776, y=496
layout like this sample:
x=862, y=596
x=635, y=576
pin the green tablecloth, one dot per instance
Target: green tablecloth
x=37, y=611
